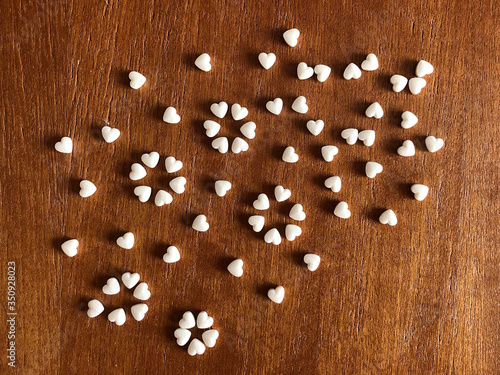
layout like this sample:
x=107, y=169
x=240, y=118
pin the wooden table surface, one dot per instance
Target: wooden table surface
x=418, y=298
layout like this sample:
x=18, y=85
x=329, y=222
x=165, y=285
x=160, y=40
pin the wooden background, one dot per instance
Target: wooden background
x=418, y=298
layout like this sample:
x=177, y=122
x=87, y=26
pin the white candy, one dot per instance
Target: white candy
x=350, y=135
x=182, y=335
x=235, y=268
x=137, y=172
x=150, y=160
x=367, y=137
x=126, y=241
x=117, y=316
x=291, y=37
x=261, y=203
x=407, y=149
x=87, y=188
x=200, y=223
x=423, y=68
x=110, y=134
x=297, y=212
x=239, y=145
x=222, y=187
x=112, y=287
x=352, y=71
x=64, y=146
x=163, y=197
x=178, y=184
x=276, y=294
x=70, y=247
x=130, y=279
x=203, y=321
x=372, y=169
x=238, y=112
x=322, y=72
x=374, y=110
x=196, y=347
x=141, y=292
x=202, y=62
x=408, y=120
x=187, y=321
x=257, y=222
x=139, y=311
x=272, y=236
x=267, y=60
x=289, y=155
x=292, y=231
x=275, y=106
x=398, y=82
x=219, y=109
x=388, y=217
x=299, y=105
x=315, y=127
x=211, y=127
x=281, y=194
x=334, y=183
x=304, y=71
x=312, y=261
x=170, y=116
x=370, y=63
x=328, y=152
x=221, y=144
x=172, y=165
x=419, y=191
x=143, y=193
x=172, y=255
x=210, y=337
x=248, y=129
x=95, y=308
x=433, y=144
x=136, y=80
x=416, y=85
x=342, y=210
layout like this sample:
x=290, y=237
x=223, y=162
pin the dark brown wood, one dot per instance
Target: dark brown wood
x=418, y=298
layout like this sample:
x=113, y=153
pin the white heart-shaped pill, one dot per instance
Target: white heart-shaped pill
x=248, y=129
x=257, y=222
x=370, y=63
x=289, y=155
x=150, y=160
x=182, y=335
x=433, y=144
x=178, y=184
x=334, y=183
x=304, y=71
x=372, y=169
x=196, y=347
x=117, y=316
x=423, y=68
x=276, y=294
x=200, y=223
x=262, y=202
x=299, y=105
x=239, y=145
x=130, y=279
x=267, y=60
x=322, y=72
x=388, y=217
x=163, y=197
x=407, y=149
x=112, y=287
x=222, y=187
x=374, y=110
x=211, y=127
x=342, y=210
x=204, y=321
x=172, y=165
x=187, y=321
x=329, y=152
x=416, y=85
x=139, y=311
x=235, y=268
x=136, y=80
x=291, y=37
x=408, y=120
x=137, y=172
x=210, y=337
x=141, y=292
x=352, y=71
x=312, y=261
x=219, y=109
x=143, y=193
x=172, y=255
x=70, y=247
x=238, y=112
x=110, y=134
x=350, y=135
x=87, y=188
x=315, y=127
x=367, y=137
x=64, y=146
x=126, y=241
x=170, y=116
x=275, y=106
x=292, y=231
x=297, y=212
x=398, y=82
x=202, y=62
x=281, y=194
x=221, y=144
x=95, y=308
x=419, y=191
x=272, y=236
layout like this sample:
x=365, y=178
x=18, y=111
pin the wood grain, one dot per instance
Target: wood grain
x=418, y=298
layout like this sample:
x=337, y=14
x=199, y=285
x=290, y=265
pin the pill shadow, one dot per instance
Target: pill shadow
x=208, y=184
x=189, y=58
x=359, y=167
x=391, y=145
x=374, y=213
x=188, y=217
x=100, y=280
x=285, y=207
x=314, y=149
x=301, y=125
x=198, y=128
x=248, y=198
x=128, y=190
x=277, y=151
x=394, y=117
x=157, y=111
x=276, y=34
x=57, y=243
x=51, y=141
x=252, y=58
x=359, y=107
x=405, y=189
x=298, y=258
x=113, y=235
x=407, y=67
x=290, y=69
x=121, y=76
x=82, y=304
x=74, y=185
x=96, y=132
x=124, y=167
x=223, y=262
x=263, y=288
x=328, y=205
x=419, y=142
x=338, y=69
x=319, y=180
x=205, y=104
x=243, y=220
x=159, y=249
x=384, y=81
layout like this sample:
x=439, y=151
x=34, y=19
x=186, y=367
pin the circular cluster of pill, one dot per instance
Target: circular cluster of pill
x=203, y=322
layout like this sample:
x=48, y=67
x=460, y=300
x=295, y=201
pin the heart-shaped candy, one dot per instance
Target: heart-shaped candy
x=130, y=279
x=210, y=337
x=408, y=120
x=203, y=321
x=433, y=144
x=69, y=247
x=297, y=212
x=202, y=62
x=350, y=135
x=299, y=105
x=163, y=197
x=87, y=188
x=289, y=155
x=275, y=106
x=388, y=217
x=178, y=184
x=291, y=37
x=334, y=183
x=423, y=68
x=64, y=146
x=143, y=193
x=187, y=321
x=110, y=134
x=372, y=169
x=328, y=152
x=137, y=172
x=342, y=210
x=136, y=80
x=281, y=194
x=367, y=137
x=141, y=292
x=211, y=127
x=352, y=71
x=374, y=110
x=196, y=347
x=239, y=145
x=150, y=160
x=407, y=149
x=276, y=294
x=312, y=261
x=248, y=129
x=170, y=116
x=419, y=191
x=272, y=236
x=200, y=223
x=95, y=308
x=172, y=255
x=238, y=112
x=416, y=85
x=117, y=316
x=219, y=109
x=222, y=187
x=172, y=165
x=322, y=72
x=398, y=82
x=182, y=335
x=221, y=144
x=315, y=127
x=235, y=268
x=267, y=60
x=139, y=311
x=257, y=222
x=112, y=287
x=262, y=202
x=304, y=71
x=292, y=231
x=370, y=63
x=126, y=241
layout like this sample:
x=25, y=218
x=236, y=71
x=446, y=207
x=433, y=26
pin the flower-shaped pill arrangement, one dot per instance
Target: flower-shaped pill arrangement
x=203, y=322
